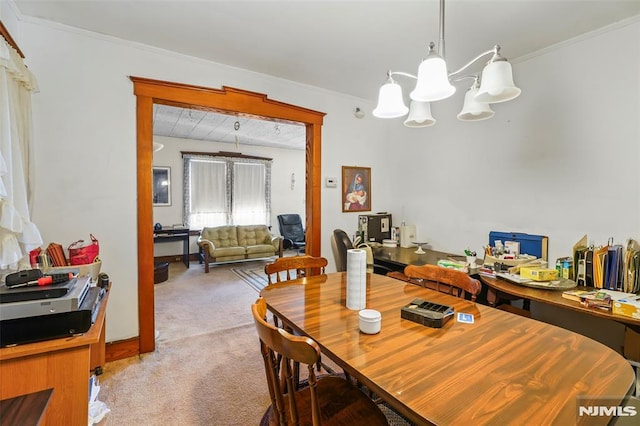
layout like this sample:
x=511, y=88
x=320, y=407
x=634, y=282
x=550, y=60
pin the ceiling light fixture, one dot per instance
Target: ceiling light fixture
x=434, y=83
x=236, y=126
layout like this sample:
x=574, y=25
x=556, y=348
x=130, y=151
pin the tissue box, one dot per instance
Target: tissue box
x=629, y=307
x=539, y=274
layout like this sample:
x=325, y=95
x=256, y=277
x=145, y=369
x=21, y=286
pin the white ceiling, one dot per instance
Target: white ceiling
x=344, y=46
x=208, y=126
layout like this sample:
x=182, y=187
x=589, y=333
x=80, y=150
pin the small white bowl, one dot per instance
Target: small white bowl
x=370, y=321
x=389, y=243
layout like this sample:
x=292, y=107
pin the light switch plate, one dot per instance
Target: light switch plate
x=331, y=182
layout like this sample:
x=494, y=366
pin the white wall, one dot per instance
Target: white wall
x=9, y=19
x=561, y=160
x=284, y=199
x=84, y=129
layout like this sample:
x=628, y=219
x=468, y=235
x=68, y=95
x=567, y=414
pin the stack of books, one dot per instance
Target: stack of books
x=579, y=295
x=595, y=298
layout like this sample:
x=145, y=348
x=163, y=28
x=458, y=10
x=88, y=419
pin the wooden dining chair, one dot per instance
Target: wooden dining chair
x=326, y=400
x=293, y=267
x=446, y=280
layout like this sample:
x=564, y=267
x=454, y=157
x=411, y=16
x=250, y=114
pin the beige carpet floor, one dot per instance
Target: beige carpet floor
x=206, y=369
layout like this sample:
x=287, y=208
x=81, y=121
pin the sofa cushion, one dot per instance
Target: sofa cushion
x=221, y=236
x=228, y=251
x=261, y=250
x=251, y=235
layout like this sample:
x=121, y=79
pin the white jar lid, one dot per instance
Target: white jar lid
x=370, y=315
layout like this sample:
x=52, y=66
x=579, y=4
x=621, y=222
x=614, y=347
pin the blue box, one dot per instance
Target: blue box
x=535, y=245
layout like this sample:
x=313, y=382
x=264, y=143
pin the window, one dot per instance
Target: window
x=222, y=190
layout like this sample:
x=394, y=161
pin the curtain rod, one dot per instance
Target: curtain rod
x=225, y=154
x=5, y=33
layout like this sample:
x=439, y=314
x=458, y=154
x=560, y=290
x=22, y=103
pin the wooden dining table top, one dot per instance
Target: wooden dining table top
x=501, y=369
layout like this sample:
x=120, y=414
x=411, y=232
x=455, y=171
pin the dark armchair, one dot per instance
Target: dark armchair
x=344, y=243
x=292, y=231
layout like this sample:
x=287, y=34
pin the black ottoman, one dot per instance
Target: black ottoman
x=160, y=272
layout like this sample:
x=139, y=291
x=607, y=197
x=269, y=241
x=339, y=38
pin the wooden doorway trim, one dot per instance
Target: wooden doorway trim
x=229, y=101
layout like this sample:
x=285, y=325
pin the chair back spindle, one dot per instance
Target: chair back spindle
x=445, y=280
x=286, y=266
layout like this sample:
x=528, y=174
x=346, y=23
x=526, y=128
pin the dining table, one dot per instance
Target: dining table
x=489, y=367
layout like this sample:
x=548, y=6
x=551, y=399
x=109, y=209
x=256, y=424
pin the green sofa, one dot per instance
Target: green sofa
x=222, y=244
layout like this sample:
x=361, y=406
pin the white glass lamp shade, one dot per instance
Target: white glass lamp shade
x=420, y=115
x=472, y=110
x=390, y=102
x=433, y=81
x=497, y=84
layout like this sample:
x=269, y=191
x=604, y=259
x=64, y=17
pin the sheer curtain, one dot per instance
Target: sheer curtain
x=249, y=194
x=18, y=235
x=207, y=188
x=220, y=190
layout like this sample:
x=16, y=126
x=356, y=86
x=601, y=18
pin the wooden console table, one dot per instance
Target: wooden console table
x=498, y=286
x=174, y=234
x=63, y=365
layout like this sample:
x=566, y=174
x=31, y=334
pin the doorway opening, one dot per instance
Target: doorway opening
x=229, y=101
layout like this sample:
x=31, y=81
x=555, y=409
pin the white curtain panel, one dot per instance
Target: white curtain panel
x=18, y=235
x=207, y=201
x=249, y=194
x=220, y=190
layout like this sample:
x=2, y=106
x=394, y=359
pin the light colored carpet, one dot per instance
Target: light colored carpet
x=191, y=302
x=207, y=368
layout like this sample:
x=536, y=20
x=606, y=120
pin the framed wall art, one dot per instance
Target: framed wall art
x=161, y=186
x=356, y=189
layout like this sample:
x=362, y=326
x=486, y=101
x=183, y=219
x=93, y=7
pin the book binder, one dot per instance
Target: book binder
x=583, y=266
x=610, y=267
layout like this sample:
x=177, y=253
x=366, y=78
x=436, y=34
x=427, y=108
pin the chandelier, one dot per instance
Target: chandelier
x=434, y=83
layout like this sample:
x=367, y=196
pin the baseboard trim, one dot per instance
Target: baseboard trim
x=122, y=349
